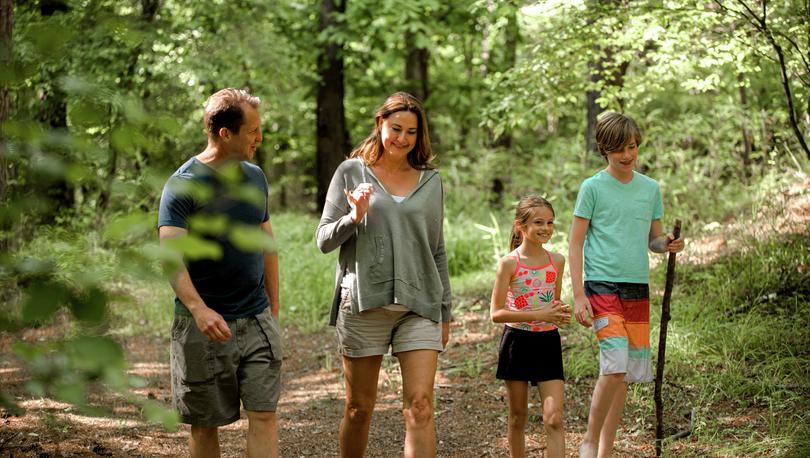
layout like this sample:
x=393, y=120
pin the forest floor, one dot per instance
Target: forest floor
x=470, y=406
x=470, y=403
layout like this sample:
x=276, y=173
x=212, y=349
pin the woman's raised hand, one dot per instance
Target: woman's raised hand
x=359, y=199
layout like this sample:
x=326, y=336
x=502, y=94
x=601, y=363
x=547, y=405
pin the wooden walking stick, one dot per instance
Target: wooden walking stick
x=662, y=345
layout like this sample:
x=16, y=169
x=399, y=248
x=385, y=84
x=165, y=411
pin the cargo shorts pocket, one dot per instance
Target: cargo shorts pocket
x=272, y=332
x=193, y=355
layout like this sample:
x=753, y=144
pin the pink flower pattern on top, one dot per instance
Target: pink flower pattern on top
x=531, y=288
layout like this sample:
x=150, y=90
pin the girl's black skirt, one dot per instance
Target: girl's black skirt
x=530, y=356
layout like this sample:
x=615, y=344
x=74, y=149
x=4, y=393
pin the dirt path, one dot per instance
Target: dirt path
x=470, y=406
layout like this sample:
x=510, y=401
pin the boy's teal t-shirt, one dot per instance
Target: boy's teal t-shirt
x=620, y=216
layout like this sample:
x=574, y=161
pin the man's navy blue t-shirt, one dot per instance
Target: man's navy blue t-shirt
x=232, y=285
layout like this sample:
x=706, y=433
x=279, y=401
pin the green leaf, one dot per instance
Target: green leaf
x=200, y=192
x=158, y=413
x=122, y=138
x=251, y=238
x=96, y=354
x=44, y=299
x=194, y=248
x=73, y=393
x=209, y=224
x=87, y=112
x=249, y=194
x=130, y=226
x=7, y=402
x=91, y=306
x=50, y=38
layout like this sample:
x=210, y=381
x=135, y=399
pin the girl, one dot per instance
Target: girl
x=526, y=297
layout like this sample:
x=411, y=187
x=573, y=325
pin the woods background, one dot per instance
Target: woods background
x=100, y=101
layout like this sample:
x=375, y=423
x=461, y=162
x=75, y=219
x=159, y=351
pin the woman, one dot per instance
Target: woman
x=384, y=210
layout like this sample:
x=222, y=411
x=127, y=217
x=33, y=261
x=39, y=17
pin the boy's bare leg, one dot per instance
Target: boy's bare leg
x=262, y=439
x=203, y=442
x=418, y=373
x=552, y=393
x=518, y=394
x=612, y=420
x=607, y=387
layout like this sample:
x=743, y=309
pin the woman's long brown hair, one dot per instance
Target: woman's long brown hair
x=371, y=149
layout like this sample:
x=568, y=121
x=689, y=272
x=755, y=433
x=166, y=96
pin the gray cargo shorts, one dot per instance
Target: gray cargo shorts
x=209, y=379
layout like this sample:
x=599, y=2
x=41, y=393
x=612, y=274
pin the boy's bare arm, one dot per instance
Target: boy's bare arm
x=582, y=307
x=662, y=243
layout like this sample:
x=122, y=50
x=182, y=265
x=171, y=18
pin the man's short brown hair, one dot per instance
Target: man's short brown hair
x=614, y=130
x=224, y=109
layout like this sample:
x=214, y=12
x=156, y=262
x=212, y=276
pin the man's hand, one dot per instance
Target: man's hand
x=583, y=311
x=445, y=333
x=212, y=325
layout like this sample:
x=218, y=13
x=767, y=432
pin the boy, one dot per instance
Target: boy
x=617, y=217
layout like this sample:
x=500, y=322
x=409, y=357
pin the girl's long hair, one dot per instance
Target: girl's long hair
x=371, y=149
x=523, y=212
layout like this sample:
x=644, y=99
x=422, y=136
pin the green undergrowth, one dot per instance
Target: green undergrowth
x=738, y=350
x=738, y=345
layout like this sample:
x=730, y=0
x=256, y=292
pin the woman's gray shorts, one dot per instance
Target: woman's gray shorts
x=372, y=332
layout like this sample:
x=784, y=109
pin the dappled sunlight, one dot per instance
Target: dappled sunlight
x=149, y=369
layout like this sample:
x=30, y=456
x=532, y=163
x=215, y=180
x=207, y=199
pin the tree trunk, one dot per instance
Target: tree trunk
x=760, y=23
x=416, y=68
x=512, y=36
x=604, y=71
x=149, y=10
x=333, y=142
x=504, y=140
x=747, y=137
x=53, y=109
x=593, y=111
x=6, y=21
x=789, y=97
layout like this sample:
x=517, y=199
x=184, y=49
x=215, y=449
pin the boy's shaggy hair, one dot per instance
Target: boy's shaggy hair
x=614, y=130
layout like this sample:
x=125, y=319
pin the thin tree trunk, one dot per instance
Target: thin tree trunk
x=512, y=36
x=149, y=10
x=6, y=61
x=593, y=109
x=416, y=68
x=788, y=96
x=604, y=71
x=333, y=142
x=747, y=137
x=53, y=109
x=504, y=140
x=662, y=345
x=761, y=24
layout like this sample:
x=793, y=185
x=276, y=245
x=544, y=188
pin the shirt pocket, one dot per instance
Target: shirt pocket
x=642, y=208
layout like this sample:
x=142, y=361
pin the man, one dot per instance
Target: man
x=226, y=341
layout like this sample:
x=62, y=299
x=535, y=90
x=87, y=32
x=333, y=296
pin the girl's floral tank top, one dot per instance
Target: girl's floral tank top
x=532, y=288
